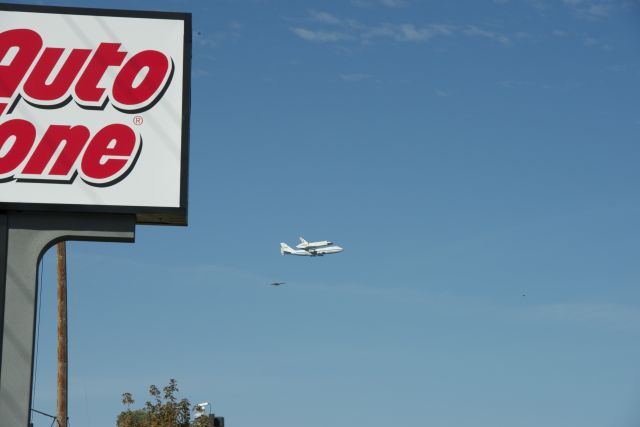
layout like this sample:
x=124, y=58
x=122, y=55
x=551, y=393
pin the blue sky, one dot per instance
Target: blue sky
x=478, y=161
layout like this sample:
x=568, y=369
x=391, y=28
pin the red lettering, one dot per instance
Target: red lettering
x=67, y=141
x=130, y=93
x=16, y=139
x=59, y=74
x=87, y=90
x=137, y=85
x=28, y=44
x=36, y=86
x=106, y=159
x=108, y=153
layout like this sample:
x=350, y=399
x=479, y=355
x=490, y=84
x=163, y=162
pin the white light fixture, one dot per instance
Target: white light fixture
x=199, y=409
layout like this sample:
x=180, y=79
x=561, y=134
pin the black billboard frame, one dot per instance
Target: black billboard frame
x=145, y=215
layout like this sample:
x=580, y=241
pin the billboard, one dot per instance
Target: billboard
x=94, y=111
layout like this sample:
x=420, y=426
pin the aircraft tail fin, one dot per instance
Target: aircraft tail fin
x=304, y=242
x=285, y=249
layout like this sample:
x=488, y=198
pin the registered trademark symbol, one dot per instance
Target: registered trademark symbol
x=137, y=120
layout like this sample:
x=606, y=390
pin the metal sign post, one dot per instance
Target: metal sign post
x=24, y=237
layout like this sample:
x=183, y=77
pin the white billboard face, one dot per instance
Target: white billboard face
x=94, y=110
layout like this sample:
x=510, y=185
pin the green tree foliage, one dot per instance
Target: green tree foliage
x=162, y=410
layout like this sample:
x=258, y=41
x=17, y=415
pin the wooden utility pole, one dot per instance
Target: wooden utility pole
x=61, y=407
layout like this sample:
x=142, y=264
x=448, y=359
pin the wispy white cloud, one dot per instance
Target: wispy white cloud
x=207, y=39
x=597, y=11
x=407, y=32
x=590, y=41
x=393, y=3
x=474, y=31
x=591, y=10
x=334, y=29
x=324, y=17
x=539, y=5
x=361, y=3
x=385, y=3
x=352, y=30
x=320, y=36
x=584, y=38
x=201, y=72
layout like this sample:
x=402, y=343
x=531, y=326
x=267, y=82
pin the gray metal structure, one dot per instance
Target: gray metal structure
x=24, y=238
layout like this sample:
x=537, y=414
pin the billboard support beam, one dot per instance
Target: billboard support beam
x=24, y=238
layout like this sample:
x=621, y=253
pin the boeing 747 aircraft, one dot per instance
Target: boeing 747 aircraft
x=314, y=250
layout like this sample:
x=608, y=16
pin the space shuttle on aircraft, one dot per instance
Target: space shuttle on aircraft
x=305, y=248
x=305, y=245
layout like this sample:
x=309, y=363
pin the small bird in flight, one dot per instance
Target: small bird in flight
x=277, y=283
